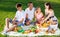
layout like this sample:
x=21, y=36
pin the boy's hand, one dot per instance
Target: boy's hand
x=14, y=18
x=14, y=22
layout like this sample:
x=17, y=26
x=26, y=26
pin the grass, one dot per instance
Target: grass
x=8, y=10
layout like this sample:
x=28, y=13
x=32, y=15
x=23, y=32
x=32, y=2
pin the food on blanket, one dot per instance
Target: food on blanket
x=27, y=31
x=47, y=31
x=33, y=28
x=19, y=27
x=37, y=31
x=30, y=30
x=48, y=22
x=45, y=25
x=15, y=29
x=52, y=31
x=39, y=25
x=21, y=30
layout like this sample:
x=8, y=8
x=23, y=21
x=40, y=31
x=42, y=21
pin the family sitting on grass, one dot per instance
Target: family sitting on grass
x=26, y=17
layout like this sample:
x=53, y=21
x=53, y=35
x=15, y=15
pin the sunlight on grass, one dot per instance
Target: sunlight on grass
x=3, y=16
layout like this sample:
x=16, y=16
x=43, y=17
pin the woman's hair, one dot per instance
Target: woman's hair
x=48, y=4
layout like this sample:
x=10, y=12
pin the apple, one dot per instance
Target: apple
x=37, y=31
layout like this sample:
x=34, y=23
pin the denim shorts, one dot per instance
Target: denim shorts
x=15, y=21
x=19, y=24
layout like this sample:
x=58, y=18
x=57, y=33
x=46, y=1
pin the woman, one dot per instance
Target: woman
x=49, y=12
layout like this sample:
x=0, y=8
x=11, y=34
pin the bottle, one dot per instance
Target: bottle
x=15, y=29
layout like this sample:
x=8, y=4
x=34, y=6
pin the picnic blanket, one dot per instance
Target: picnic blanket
x=12, y=33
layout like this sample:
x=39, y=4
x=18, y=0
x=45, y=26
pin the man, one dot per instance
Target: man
x=29, y=13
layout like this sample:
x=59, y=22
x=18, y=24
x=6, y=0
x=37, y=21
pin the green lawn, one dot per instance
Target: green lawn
x=8, y=10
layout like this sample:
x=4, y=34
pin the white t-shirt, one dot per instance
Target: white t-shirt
x=30, y=13
x=19, y=15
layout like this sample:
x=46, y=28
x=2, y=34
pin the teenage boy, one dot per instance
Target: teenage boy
x=18, y=19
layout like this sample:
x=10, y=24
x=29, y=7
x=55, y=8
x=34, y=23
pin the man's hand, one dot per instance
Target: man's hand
x=21, y=20
x=26, y=15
